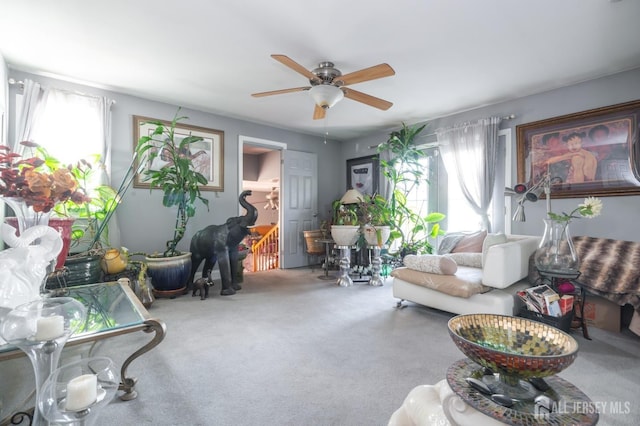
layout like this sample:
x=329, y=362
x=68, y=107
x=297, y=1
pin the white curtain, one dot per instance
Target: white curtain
x=104, y=110
x=470, y=151
x=29, y=107
x=384, y=186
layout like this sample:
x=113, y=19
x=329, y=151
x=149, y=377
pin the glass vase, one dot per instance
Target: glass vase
x=556, y=253
x=25, y=215
x=76, y=393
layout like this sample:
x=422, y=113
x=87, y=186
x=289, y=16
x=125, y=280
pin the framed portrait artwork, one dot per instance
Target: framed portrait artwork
x=206, y=155
x=589, y=153
x=363, y=174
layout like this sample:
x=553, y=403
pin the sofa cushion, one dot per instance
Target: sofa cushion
x=465, y=283
x=432, y=263
x=473, y=260
x=491, y=240
x=470, y=243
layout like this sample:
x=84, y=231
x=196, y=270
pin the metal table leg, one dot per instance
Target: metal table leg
x=327, y=249
x=376, y=279
x=127, y=384
x=344, y=280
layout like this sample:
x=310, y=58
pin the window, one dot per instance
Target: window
x=69, y=126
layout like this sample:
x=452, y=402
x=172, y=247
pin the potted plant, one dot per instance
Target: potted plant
x=411, y=230
x=376, y=218
x=180, y=184
x=90, y=231
x=345, y=228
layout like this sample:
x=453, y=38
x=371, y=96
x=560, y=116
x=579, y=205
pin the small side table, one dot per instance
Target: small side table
x=556, y=278
x=328, y=242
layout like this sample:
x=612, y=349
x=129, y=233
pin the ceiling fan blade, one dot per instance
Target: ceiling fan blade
x=367, y=99
x=287, y=61
x=371, y=73
x=319, y=113
x=281, y=91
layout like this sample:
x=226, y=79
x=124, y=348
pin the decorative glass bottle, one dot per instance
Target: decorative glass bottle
x=556, y=253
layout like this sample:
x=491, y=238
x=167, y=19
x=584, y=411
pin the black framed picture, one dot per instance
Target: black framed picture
x=363, y=174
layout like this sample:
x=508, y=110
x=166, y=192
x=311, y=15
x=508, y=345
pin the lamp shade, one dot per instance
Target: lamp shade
x=352, y=196
x=519, y=216
x=326, y=95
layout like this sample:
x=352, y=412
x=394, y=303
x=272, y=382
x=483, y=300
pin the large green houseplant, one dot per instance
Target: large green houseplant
x=180, y=184
x=410, y=229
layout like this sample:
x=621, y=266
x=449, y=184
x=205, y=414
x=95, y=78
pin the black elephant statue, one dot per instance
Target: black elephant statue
x=220, y=243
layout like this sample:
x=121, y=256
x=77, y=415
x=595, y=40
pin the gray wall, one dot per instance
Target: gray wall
x=269, y=166
x=251, y=166
x=620, y=215
x=145, y=224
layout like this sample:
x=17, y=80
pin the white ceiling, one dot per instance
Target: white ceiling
x=449, y=55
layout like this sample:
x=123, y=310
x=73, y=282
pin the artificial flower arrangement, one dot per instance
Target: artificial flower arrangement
x=45, y=184
x=591, y=207
x=40, y=181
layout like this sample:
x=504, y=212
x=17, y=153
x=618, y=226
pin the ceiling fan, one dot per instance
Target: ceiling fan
x=273, y=199
x=328, y=85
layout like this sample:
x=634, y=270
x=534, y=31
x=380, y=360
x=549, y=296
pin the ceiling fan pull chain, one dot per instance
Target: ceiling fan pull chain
x=326, y=127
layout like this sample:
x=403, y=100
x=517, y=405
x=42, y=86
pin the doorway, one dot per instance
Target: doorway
x=285, y=192
x=260, y=171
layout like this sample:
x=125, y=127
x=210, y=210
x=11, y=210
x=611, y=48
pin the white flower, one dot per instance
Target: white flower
x=591, y=207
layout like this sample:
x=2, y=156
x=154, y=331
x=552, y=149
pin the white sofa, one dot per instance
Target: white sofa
x=505, y=266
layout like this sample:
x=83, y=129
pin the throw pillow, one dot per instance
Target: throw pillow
x=449, y=242
x=491, y=240
x=431, y=263
x=470, y=243
x=467, y=259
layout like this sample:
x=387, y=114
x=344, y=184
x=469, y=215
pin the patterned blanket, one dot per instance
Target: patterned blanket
x=610, y=268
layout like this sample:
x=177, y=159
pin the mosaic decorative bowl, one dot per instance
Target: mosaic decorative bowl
x=516, y=348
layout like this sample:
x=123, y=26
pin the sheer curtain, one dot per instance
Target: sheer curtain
x=30, y=105
x=470, y=151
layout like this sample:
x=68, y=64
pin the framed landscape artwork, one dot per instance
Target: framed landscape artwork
x=363, y=174
x=590, y=153
x=206, y=155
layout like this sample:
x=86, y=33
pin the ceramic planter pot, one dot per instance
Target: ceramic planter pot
x=82, y=270
x=345, y=235
x=169, y=275
x=113, y=262
x=63, y=226
x=371, y=235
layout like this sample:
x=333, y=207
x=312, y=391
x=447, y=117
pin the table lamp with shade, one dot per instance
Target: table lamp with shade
x=352, y=196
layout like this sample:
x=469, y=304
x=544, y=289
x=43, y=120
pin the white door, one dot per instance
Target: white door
x=299, y=204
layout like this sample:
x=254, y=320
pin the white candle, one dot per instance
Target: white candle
x=49, y=328
x=81, y=392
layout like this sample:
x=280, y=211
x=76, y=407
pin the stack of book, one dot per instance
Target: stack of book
x=543, y=300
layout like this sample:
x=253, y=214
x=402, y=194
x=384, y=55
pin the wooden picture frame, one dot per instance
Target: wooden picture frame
x=589, y=153
x=208, y=154
x=363, y=174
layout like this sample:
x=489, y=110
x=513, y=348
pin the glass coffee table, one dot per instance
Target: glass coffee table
x=113, y=309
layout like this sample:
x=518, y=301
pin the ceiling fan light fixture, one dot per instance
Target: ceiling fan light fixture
x=326, y=95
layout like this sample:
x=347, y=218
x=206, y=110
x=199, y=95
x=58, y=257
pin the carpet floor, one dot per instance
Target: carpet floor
x=290, y=349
